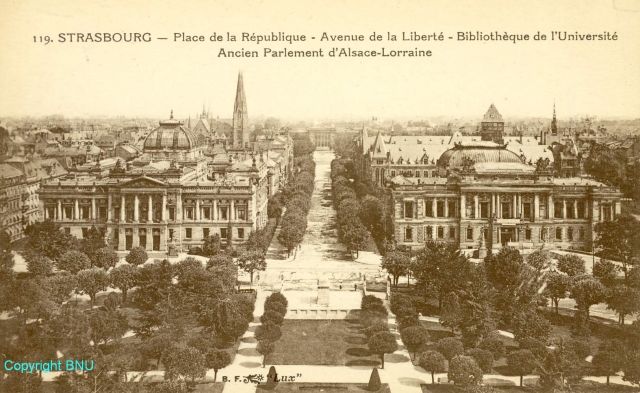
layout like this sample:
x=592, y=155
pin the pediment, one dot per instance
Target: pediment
x=143, y=182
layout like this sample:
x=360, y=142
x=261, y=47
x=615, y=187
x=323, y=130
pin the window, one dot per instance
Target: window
x=408, y=234
x=558, y=233
x=242, y=213
x=85, y=233
x=433, y=173
x=484, y=210
x=440, y=233
x=84, y=212
x=102, y=212
x=469, y=233
x=428, y=208
x=581, y=209
x=570, y=234
x=187, y=233
x=581, y=234
x=557, y=210
x=240, y=233
x=428, y=232
x=570, y=211
x=172, y=213
x=506, y=210
x=393, y=173
x=486, y=233
x=408, y=209
x=606, y=212
x=452, y=209
x=170, y=234
x=223, y=213
x=440, y=209
x=417, y=173
x=206, y=212
x=190, y=213
x=68, y=214
x=526, y=210
x=527, y=234
x=426, y=173
x=223, y=233
x=452, y=232
x=205, y=233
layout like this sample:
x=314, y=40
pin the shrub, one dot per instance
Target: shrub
x=375, y=327
x=276, y=307
x=494, y=345
x=374, y=381
x=272, y=316
x=432, y=362
x=483, y=357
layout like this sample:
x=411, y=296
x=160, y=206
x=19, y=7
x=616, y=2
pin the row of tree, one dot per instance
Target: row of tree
x=296, y=197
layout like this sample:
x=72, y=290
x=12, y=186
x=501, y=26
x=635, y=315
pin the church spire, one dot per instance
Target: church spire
x=240, y=117
x=554, y=121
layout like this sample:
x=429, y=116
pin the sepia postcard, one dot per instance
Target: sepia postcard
x=319, y=196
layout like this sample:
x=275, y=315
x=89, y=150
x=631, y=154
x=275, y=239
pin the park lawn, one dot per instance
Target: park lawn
x=322, y=342
x=583, y=387
x=321, y=387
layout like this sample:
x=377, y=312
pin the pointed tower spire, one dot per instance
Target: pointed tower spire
x=240, y=136
x=554, y=121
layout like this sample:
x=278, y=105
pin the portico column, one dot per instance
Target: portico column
x=197, y=209
x=434, y=233
x=434, y=208
x=476, y=207
x=564, y=208
x=536, y=207
x=575, y=209
x=136, y=208
x=109, y=207
x=150, y=209
x=76, y=210
x=493, y=204
x=552, y=208
x=93, y=208
x=463, y=206
x=46, y=213
x=446, y=207
x=515, y=206
x=179, y=207
x=618, y=208
x=164, y=207
x=123, y=209
x=214, y=215
x=59, y=210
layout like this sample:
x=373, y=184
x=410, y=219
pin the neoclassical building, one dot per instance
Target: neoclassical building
x=173, y=196
x=477, y=193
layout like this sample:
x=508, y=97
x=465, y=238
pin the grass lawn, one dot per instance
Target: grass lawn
x=323, y=342
x=584, y=387
x=321, y=387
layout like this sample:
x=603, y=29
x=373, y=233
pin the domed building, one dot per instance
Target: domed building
x=172, y=141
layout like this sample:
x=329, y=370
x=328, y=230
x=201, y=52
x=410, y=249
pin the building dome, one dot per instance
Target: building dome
x=480, y=152
x=171, y=135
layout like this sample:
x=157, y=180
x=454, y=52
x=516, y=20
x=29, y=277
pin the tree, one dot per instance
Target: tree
x=61, y=286
x=463, y=370
x=587, y=292
x=93, y=242
x=276, y=307
x=631, y=368
x=20, y=382
x=494, y=345
x=105, y=258
x=539, y=260
x=212, y=245
x=432, y=362
x=606, y=272
x=522, y=362
x=217, y=360
x=557, y=287
x=185, y=363
x=92, y=281
x=48, y=239
x=107, y=325
x=483, y=357
x=223, y=267
x=264, y=348
x=619, y=239
x=73, y=262
x=137, y=256
x=414, y=338
x=374, y=381
x=451, y=312
x=537, y=347
x=397, y=264
x=450, y=347
x=355, y=236
x=624, y=301
x=531, y=324
x=376, y=327
x=39, y=265
x=571, y=265
x=252, y=261
x=382, y=343
x=269, y=332
x=610, y=358
x=123, y=277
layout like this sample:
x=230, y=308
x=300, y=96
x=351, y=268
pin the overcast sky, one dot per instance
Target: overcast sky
x=461, y=78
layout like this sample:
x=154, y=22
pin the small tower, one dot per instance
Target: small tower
x=492, y=126
x=554, y=121
x=241, y=134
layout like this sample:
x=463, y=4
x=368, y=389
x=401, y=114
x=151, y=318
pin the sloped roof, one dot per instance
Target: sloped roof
x=492, y=115
x=7, y=171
